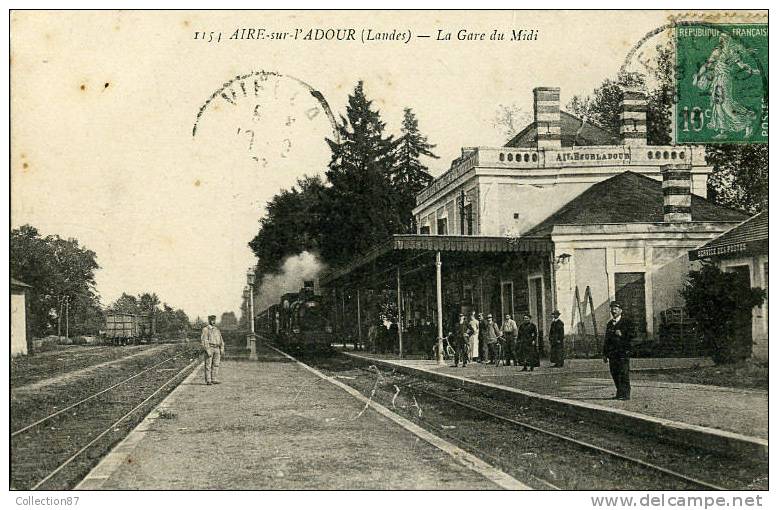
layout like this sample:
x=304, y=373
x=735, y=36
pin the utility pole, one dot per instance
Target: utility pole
x=67, y=317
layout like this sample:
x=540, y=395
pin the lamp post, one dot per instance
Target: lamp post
x=252, y=336
x=246, y=313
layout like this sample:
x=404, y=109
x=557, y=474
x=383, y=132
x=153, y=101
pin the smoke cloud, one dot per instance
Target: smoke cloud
x=294, y=271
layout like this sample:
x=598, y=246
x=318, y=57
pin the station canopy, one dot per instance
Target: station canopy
x=402, y=249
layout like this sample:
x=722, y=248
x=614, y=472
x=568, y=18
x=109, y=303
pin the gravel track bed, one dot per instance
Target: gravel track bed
x=533, y=457
x=27, y=407
x=38, y=451
x=31, y=369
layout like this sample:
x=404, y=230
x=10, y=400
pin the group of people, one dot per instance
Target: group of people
x=479, y=339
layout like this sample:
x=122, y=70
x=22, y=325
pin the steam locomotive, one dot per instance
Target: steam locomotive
x=299, y=322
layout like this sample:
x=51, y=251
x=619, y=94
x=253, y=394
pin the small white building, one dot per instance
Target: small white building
x=18, y=317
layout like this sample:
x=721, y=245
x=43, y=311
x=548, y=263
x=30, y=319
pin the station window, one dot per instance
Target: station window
x=442, y=226
x=468, y=216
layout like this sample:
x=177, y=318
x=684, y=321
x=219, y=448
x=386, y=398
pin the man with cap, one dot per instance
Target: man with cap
x=492, y=335
x=510, y=333
x=462, y=334
x=213, y=348
x=556, y=337
x=618, y=336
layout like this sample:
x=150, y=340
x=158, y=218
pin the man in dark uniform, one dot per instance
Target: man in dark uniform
x=462, y=334
x=615, y=352
x=556, y=337
x=528, y=340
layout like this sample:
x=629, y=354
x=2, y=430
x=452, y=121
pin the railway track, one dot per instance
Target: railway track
x=538, y=450
x=693, y=482
x=55, y=451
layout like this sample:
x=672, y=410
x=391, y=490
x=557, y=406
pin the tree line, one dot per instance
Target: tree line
x=61, y=274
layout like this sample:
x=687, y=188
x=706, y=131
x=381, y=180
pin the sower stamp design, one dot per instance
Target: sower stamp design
x=721, y=83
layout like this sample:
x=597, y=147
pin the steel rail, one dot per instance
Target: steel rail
x=109, y=429
x=94, y=395
x=578, y=442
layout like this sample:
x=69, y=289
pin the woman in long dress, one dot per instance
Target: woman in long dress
x=473, y=336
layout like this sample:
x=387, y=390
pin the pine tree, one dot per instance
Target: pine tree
x=359, y=209
x=410, y=175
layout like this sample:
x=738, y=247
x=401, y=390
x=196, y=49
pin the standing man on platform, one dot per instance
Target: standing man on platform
x=461, y=341
x=510, y=332
x=556, y=337
x=618, y=338
x=213, y=347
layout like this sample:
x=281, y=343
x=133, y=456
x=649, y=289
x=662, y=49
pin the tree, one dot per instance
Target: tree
x=171, y=323
x=148, y=302
x=358, y=210
x=510, y=119
x=739, y=178
x=410, y=175
x=722, y=303
x=58, y=270
x=127, y=303
x=290, y=226
x=228, y=321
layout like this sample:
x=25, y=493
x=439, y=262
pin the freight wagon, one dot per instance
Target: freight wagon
x=128, y=328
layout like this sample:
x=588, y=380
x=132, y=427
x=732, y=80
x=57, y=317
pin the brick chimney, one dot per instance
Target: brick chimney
x=547, y=118
x=677, y=193
x=633, y=118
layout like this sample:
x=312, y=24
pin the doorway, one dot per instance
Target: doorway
x=537, y=309
x=631, y=294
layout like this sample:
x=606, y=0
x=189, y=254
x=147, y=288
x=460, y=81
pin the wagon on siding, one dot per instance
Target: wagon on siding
x=128, y=328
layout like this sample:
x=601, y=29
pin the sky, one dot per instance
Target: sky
x=103, y=106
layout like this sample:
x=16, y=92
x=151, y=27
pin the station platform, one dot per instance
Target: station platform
x=274, y=424
x=709, y=416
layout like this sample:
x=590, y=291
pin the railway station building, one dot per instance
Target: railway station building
x=566, y=216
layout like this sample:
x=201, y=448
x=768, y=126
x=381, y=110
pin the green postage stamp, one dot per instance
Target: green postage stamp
x=721, y=83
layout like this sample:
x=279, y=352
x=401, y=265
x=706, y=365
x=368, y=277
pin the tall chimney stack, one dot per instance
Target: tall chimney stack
x=632, y=128
x=547, y=118
x=677, y=193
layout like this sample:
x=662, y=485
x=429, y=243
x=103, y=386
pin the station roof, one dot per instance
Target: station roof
x=19, y=285
x=410, y=244
x=628, y=198
x=750, y=237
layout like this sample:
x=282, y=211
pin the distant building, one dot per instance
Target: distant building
x=566, y=216
x=18, y=317
x=744, y=250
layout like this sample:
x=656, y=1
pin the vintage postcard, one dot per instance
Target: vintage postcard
x=390, y=250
